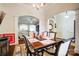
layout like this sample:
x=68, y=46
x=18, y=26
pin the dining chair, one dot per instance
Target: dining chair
x=64, y=48
x=41, y=36
x=30, y=50
x=32, y=34
x=46, y=33
x=61, y=49
x=52, y=35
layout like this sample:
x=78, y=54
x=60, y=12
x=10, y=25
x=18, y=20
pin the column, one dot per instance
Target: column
x=16, y=29
x=77, y=33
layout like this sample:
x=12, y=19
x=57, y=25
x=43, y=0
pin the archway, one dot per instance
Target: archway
x=27, y=24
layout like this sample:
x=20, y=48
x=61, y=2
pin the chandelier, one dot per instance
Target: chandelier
x=39, y=5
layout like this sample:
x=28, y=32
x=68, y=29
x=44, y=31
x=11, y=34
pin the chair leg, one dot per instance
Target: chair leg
x=28, y=53
x=40, y=54
x=35, y=53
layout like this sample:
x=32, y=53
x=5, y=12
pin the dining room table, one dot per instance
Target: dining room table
x=43, y=44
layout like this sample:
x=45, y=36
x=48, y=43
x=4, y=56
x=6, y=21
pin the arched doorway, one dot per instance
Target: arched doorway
x=27, y=24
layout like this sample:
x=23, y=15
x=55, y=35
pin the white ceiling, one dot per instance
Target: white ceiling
x=49, y=10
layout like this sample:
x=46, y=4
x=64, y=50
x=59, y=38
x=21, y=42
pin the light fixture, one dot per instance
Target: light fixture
x=66, y=15
x=38, y=5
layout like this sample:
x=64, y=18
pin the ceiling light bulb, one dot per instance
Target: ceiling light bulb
x=38, y=5
x=34, y=5
x=42, y=4
x=66, y=16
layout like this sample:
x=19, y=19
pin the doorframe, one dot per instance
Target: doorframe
x=16, y=29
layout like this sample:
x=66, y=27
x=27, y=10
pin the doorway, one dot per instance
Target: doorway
x=27, y=24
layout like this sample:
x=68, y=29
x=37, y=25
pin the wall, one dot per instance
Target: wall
x=65, y=26
x=7, y=24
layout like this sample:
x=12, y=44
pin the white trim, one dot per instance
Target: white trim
x=16, y=30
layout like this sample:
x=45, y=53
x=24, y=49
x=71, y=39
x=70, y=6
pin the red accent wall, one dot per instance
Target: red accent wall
x=11, y=37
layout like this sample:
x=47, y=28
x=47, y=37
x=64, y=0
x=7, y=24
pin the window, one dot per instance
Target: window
x=32, y=28
x=23, y=27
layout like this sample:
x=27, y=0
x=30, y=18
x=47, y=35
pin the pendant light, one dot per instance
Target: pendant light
x=66, y=15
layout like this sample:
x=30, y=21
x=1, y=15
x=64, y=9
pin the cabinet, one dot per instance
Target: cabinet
x=4, y=46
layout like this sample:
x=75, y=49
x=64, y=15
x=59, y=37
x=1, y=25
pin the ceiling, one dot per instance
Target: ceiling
x=49, y=10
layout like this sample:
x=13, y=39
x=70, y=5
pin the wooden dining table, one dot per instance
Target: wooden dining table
x=41, y=44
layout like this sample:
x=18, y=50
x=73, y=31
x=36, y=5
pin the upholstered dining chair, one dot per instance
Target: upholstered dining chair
x=52, y=35
x=32, y=34
x=46, y=33
x=30, y=50
x=43, y=35
x=62, y=49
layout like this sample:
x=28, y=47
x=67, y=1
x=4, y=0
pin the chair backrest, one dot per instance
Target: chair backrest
x=25, y=40
x=63, y=49
x=46, y=33
x=27, y=44
x=20, y=35
x=42, y=36
x=32, y=35
x=53, y=35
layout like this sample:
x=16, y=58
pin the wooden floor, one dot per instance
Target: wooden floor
x=71, y=49
x=11, y=50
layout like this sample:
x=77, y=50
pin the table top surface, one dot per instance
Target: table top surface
x=43, y=43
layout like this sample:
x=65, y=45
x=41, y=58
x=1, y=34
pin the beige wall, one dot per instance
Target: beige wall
x=7, y=24
x=65, y=26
